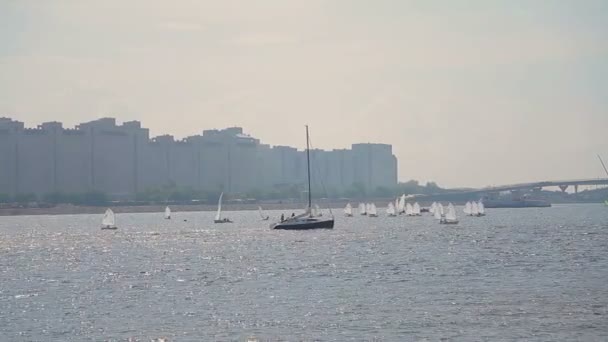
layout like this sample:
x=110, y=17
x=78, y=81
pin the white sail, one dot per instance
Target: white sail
x=390, y=210
x=167, y=213
x=481, y=208
x=368, y=208
x=401, y=206
x=474, y=209
x=372, y=210
x=262, y=216
x=348, y=210
x=440, y=208
x=317, y=211
x=451, y=213
x=396, y=205
x=437, y=213
x=362, y=209
x=108, y=219
x=433, y=208
x=467, y=208
x=416, y=209
x=409, y=210
x=218, y=215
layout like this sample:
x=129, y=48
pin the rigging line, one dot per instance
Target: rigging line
x=604, y=166
x=320, y=178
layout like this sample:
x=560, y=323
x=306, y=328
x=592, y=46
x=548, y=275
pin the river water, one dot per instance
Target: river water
x=538, y=274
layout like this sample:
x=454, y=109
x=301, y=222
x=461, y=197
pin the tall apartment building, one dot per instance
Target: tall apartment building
x=122, y=160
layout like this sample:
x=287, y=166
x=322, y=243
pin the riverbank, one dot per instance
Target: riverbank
x=80, y=210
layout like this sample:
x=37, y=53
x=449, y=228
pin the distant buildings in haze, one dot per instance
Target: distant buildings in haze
x=122, y=160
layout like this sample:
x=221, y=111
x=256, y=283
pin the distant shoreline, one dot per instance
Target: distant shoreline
x=82, y=210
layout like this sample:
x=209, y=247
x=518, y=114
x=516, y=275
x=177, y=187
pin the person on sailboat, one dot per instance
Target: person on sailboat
x=293, y=215
x=282, y=217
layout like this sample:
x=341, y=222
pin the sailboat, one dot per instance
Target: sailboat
x=167, y=213
x=390, y=210
x=305, y=220
x=437, y=213
x=474, y=209
x=262, y=216
x=481, y=209
x=401, y=206
x=108, y=221
x=450, y=216
x=433, y=208
x=409, y=210
x=372, y=211
x=416, y=209
x=362, y=209
x=348, y=210
x=218, y=215
x=467, y=208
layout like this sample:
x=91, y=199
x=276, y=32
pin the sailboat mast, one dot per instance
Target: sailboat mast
x=601, y=161
x=308, y=165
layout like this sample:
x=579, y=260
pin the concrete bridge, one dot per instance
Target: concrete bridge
x=562, y=184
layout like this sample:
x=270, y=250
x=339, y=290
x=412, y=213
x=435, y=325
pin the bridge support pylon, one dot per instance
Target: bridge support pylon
x=563, y=187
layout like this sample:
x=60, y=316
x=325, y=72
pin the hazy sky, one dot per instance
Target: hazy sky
x=469, y=93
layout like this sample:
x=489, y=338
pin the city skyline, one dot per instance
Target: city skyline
x=123, y=161
x=469, y=94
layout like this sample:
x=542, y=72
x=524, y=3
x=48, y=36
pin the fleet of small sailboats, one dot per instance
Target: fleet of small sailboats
x=108, y=221
x=474, y=209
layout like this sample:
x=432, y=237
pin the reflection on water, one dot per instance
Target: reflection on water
x=532, y=274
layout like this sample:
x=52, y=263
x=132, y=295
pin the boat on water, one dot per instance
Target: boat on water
x=481, y=209
x=218, y=215
x=467, y=208
x=433, y=207
x=438, y=212
x=474, y=209
x=362, y=209
x=390, y=210
x=262, y=215
x=416, y=209
x=167, y=213
x=372, y=211
x=348, y=210
x=306, y=220
x=409, y=210
x=401, y=206
x=450, y=216
x=108, y=221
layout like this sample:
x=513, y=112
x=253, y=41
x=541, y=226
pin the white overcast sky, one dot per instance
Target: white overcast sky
x=469, y=93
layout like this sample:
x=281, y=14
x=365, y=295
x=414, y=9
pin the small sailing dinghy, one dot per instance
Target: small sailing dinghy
x=467, y=208
x=305, y=220
x=433, y=208
x=409, y=210
x=474, y=209
x=167, y=213
x=218, y=215
x=416, y=209
x=390, y=210
x=262, y=216
x=108, y=221
x=362, y=209
x=348, y=210
x=450, y=216
x=481, y=209
x=401, y=206
x=372, y=211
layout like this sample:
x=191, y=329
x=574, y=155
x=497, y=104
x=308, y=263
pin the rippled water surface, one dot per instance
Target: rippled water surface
x=516, y=274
